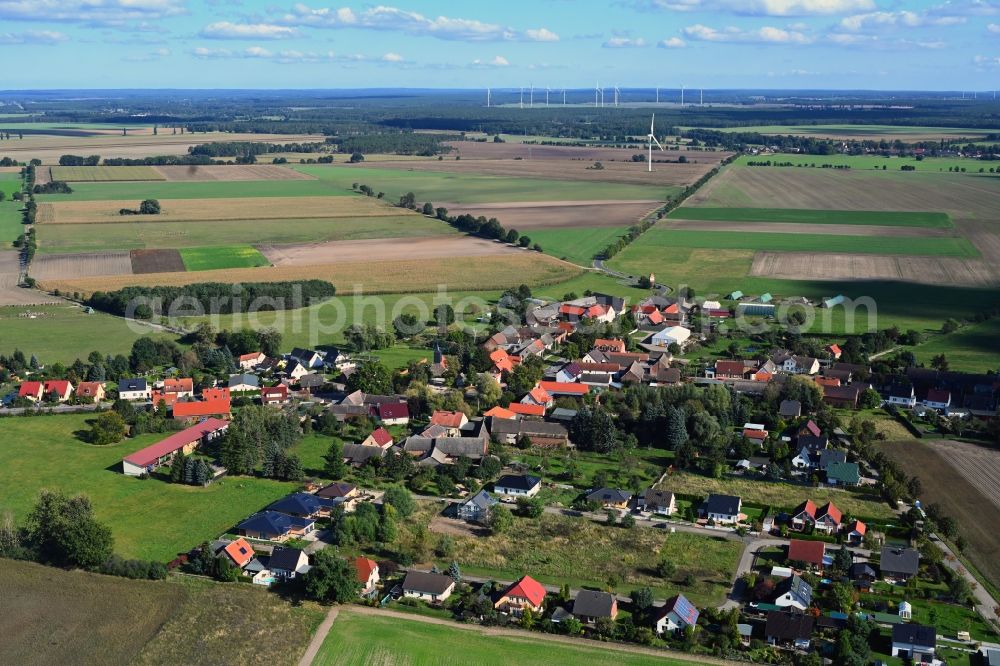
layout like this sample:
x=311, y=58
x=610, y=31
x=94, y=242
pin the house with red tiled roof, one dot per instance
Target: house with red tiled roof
x=251, y=360
x=91, y=391
x=856, y=532
x=755, y=435
x=168, y=399
x=502, y=361
x=834, y=351
x=380, y=437
x=366, y=572
x=609, y=345
x=31, y=390
x=499, y=412
x=655, y=318
x=183, y=387
x=803, y=515
x=807, y=552
x=829, y=518
x=451, y=421
x=274, y=395
x=394, y=413
x=215, y=402
x=563, y=388
x=538, y=396
x=239, y=552
x=59, y=390
x=526, y=410
x=732, y=369
x=526, y=593
x=827, y=382
x=938, y=399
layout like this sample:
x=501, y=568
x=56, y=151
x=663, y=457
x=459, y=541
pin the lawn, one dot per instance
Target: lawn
x=576, y=245
x=659, y=237
x=779, y=496
x=149, y=234
x=364, y=639
x=972, y=348
x=870, y=162
x=212, y=258
x=198, y=190
x=470, y=188
x=856, y=217
x=64, y=333
x=636, y=471
x=149, y=518
x=104, y=173
x=10, y=210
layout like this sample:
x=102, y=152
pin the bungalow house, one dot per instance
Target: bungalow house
x=133, y=389
x=843, y=474
x=429, y=587
x=517, y=485
x=938, y=399
x=789, y=628
x=302, y=505
x=244, y=383
x=899, y=563
x=274, y=395
x=239, y=552
x=806, y=552
x=91, y=391
x=660, y=502
x=251, y=360
x=379, y=437
x=902, y=396
x=287, y=563
x=477, y=508
x=306, y=357
x=915, y=642
x=790, y=409
x=526, y=593
x=148, y=459
x=394, y=413
x=828, y=518
x=676, y=614
x=793, y=592
x=339, y=492
x=803, y=515
x=366, y=573
x=274, y=526
x=610, y=498
x=452, y=421
x=182, y=387
x=856, y=533
x=722, y=508
x=590, y=605
x=32, y=391
x=59, y=390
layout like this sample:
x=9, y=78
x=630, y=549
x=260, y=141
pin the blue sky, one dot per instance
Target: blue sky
x=874, y=44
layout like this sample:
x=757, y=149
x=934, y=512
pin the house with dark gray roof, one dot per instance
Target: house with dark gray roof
x=477, y=508
x=915, y=642
x=793, y=592
x=517, y=485
x=899, y=563
x=789, y=628
x=430, y=587
x=590, y=605
x=287, y=563
x=722, y=508
x=662, y=502
x=610, y=497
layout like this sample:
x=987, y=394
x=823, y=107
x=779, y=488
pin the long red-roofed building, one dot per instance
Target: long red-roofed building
x=148, y=459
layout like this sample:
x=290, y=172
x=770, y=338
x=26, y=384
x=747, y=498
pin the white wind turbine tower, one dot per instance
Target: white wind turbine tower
x=657, y=94
x=531, y=96
x=652, y=140
x=521, y=98
x=564, y=96
x=617, y=92
x=547, y=91
x=488, y=93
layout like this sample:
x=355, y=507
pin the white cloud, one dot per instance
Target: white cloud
x=33, y=37
x=672, y=43
x=394, y=19
x=293, y=56
x=147, y=57
x=901, y=19
x=878, y=42
x=392, y=57
x=765, y=35
x=994, y=28
x=986, y=61
x=763, y=7
x=496, y=61
x=257, y=52
x=90, y=11
x=624, y=43
x=227, y=30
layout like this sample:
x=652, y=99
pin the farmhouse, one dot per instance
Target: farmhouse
x=133, y=389
x=510, y=485
x=451, y=421
x=274, y=526
x=430, y=587
x=148, y=459
x=540, y=433
x=843, y=396
x=519, y=408
x=676, y=614
x=526, y=593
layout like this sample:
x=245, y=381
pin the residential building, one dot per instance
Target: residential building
x=251, y=360
x=806, y=552
x=610, y=498
x=287, y=563
x=899, y=563
x=789, y=628
x=429, y=587
x=32, y=390
x=590, y=605
x=147, y=460
x=660, y=502
x=541, y=434
x=915, y=642
x=133, y=389
x=936, y=399
x=239, y=552
x=856, y=533
x=676, y=614
x=793, y=592
x=379, y=437
x=902, y=396
x=244, y=383
x=91, y=390
x=182, y=387
x=367, y=574
x=307, y=357
x=215, y=403
x=302, y=505
x=789, y=409
x=394, y=413
x=452, y=421
x=526, y=593
x=520, y=485
x=722, y=508
x=828, y=518
x=58, y=390
x=843, y=474
x=477, y=508
x=274, y=526
x=274, y=395
x=803, y=516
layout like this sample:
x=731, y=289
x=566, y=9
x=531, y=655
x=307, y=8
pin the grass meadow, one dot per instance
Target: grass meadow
x=972, y=348
x=791, y=215
x=576, y=245
x=372, y=639
x=470, y=188
x=226, y=256
x=149, y=518
x=10, y=210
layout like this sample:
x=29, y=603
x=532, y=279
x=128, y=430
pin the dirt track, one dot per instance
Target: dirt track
x=830, y=266
x=555, y=214
x=432, y=247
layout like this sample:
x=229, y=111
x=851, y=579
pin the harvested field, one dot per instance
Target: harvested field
x=827, y=229
x=525, y=215
x=10, y=293
x=400, y=276
x=69, y=266
x=102, y=173
x=434, y=247
x=156, y=261
x=794, y=215
x=210, y=210
x=831, y=266
x=476, y=150
x=627, y=172
x=230, y=172
x=953, y=475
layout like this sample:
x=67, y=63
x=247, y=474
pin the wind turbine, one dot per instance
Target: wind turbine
x=488, y=93
x=657, y=94
x=531, y=96
x=652, y=140
x=564, y=97
x=547, y=95
x=682, y=95
x=617, y=92
x=521, y=98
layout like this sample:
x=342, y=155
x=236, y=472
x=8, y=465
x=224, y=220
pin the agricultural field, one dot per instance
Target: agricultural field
x=576, y=245
x=972, y=348
x=10, y=210
x=890, y=132
x=57, y=616
x=102, y=173
x=149, y=519
x=780, y=496
x=798, y=216
x=529, y=216
x=229, y=172
x=868, y=162
x=197, y=189
x=952, y=475
x=220, y=257
x=362, y=638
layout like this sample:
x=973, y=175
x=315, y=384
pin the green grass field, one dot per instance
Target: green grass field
x=149, y=518
x=871, y=162
x=198, y=190
x=10, y=210
x=363, y=639
x=656, y=239
x=229, y=256
x=97, y=174
x=61, y=238
x=856, y=130
x=791, y=215
x=576, y=245
x=973, y=348
x=471, y=188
